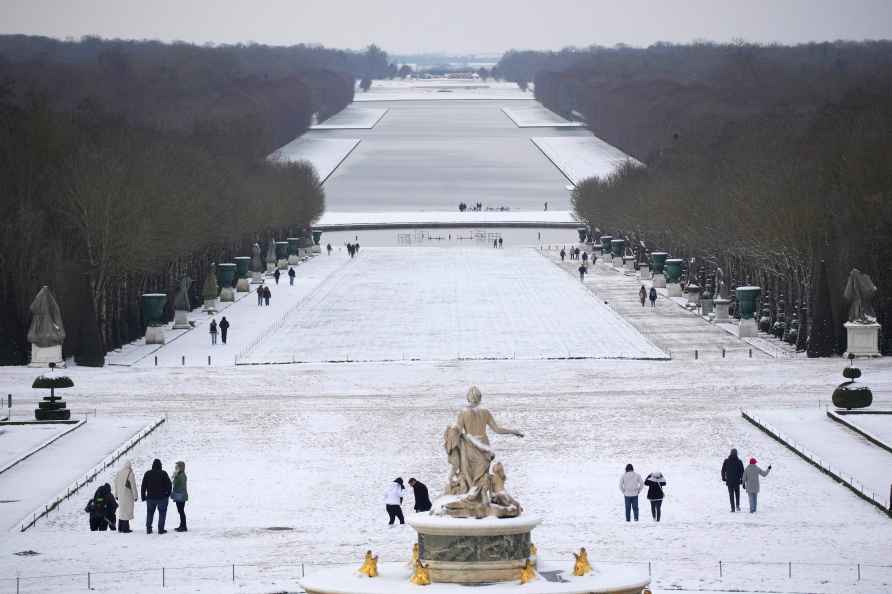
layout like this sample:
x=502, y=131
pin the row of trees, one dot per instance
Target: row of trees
x=763, y=160
x=107, y=194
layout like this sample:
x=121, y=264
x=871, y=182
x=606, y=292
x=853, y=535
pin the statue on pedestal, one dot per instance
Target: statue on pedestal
x=46, y=332
x=720, y=286
x=256, y=262
x=181, y=305
x=859, y=294
x=476, y=490
x=271, y=255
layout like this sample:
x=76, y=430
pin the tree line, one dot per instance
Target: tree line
x=772, y=162
x=127, y=165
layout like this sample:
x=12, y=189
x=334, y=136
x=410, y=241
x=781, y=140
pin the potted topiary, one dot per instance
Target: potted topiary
x=849, y=395
x=52, y=407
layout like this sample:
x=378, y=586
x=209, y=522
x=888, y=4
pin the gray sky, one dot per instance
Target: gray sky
x=403, y=26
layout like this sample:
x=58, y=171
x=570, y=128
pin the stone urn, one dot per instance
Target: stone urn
x=294, y=250
x=317, y=237
x=629, y=262
x=672, y=271
x=850, y=394
x=226, y=280
x=582, y=232
x=693, y=291
x=747, y=298
x=153, y=316
x=242, y=265
x=605, y=244
x=657, y=267
x=282, y=255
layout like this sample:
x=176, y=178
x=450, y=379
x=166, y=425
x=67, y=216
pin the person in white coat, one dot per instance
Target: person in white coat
x=631, y=484
x=393, y=500
x=125, y=492
x=751, y=482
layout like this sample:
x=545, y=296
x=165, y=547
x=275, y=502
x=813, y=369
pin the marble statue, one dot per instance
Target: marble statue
x=46, y=328
x=271, y=252
x=476, y=490
x=859, y=294
x=210, y=289
x=720, y=286
x=256, y=262
x=181, y=301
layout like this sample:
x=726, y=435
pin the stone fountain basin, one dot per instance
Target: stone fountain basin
x=553, y=578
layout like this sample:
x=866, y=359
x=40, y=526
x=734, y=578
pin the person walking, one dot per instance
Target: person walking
x=125, y=491
x=563, y=254
x=631, y=484
x=582, y=270
x=180, y=494
x=393, y=501
x=213, y=330
x=260, y=294
x=653, y=297
x=655, y=483
x=102, y=507
x=642, y=295
x=266, y=295
x=291, y=275
x=751, y=482
x=500, y=242
x=495, y=243
x=276, y=275
x=732, y=475
x=155, y=490
x=422, y=498
x=224, y=329
x=328, y=248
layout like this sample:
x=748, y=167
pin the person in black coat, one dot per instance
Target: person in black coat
x=732, y=474
x=224, y=328
x=155, y=491
x=102, y=508
x=266, y=295
x=291, y=275
x=276, y=275
x=213, y=331
x=655, y=483
x=653, y=297
x=422, y=499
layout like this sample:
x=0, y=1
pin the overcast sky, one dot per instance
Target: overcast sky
x=456, y=26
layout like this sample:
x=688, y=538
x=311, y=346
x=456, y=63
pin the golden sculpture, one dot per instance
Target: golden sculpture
x=415, y=556
x=533, y=551
x=369, y=565
x=582, y=566
x=422, y=576
x=527, y=572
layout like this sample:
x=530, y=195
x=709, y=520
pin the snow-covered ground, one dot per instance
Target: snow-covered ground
x=580, y=158
x=441, y=89
x=330, y=220
x=325, y=154
x=352, y=118
x=538, y=116
x=18, y=440
x=879, y=426
x=461, y=303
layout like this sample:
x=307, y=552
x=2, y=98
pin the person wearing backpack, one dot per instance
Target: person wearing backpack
x=102, y=509
x=655, y=483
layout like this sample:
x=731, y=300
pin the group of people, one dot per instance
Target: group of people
x=575, y=254
x=735, y=475
x=353, y=249
x=110, y=511
x=291, y=274
x=393, y=499
x=644, y=295
x=264, y=294
x=497, y=243
x=631, y=484
x=223, y=326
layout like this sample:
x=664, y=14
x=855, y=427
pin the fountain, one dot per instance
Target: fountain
x=476, y=534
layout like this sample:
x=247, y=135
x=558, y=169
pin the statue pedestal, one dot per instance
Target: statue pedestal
x=181, y=320
x=316, y=249
x=210, y=306
x=673, y=290
x=617, y=261
x=227, y=295
x=862, y=340
x=644, y=273
x=243, y=285
x=473, y=551
x=282, y=264
x=43, y=356
x=721, y=309
x=706, y=306
x=155, y=335
x=293, y=260
x=659, y=281
x=270, y=267
x=256, y=278
x=747, y=328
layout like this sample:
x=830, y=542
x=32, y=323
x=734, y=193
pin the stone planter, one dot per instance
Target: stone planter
x=153, y=316
x=629, y=262
x=707, y=305
x=226, y=275
x=282, y=255
x=617, y=249
x=605, y=244
x=862, y=340
x=747, y=299
x=658, y=261
x=317, y=237
x=242, y=264
x=693, y=291
x=721, y=309
x=294, y=250
x=644, y=272
x=672, y=271
x=582, y=232
x=181, y=320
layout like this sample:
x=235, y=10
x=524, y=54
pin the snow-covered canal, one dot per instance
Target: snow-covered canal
x=429, y=303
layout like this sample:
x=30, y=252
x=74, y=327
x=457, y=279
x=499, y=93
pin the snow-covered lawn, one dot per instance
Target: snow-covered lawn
x=325, y=154
x=330, y=220
x=18, y=440
x=395, y=304
x=538, y=116
x=580, y=158
x=880, y=426
x=352, y=118
x=442, y=89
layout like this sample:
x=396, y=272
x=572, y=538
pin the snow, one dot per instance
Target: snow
x=325, y=154
x=393, y=578
x=352, y=118
x=580, y=158
x=877, y=425
x=331, y=220
x=31, y=484
x=441, y=89
x=19, y=440
x=538, y=116
x=835, y=447
x=460, y=303
x=446, y=524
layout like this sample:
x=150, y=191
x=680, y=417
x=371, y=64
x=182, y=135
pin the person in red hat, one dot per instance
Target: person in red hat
x=751, y=482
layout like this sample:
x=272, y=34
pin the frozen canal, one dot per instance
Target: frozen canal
x=427, y=303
